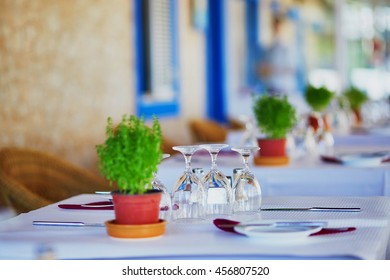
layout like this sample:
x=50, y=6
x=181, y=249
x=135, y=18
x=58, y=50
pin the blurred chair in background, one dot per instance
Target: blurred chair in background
x=181, y=132
x=32, y=179
x=236, y=124
x=175, y=132
x=166, y=146
x=208, y=131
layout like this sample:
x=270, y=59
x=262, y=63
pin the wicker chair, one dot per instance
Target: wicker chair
x=167, y=145
x=208, y=131
x=32, y=179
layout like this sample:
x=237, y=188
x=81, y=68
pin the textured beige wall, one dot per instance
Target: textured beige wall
x=65, y=66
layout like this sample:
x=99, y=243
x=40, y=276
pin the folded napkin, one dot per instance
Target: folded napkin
x=369, y=158
x=228, y=225
x=100, y=205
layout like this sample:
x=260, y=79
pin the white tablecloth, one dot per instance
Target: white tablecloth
x=20, y=240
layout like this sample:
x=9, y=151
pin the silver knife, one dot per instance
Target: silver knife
x=316, y=209
x=67, y=224
x=103, y=192
x=96, y=205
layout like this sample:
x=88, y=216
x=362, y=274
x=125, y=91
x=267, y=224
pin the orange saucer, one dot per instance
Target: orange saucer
x=271, y=160
x=135, y=231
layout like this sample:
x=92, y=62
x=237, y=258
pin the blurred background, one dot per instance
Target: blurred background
x=66, y=65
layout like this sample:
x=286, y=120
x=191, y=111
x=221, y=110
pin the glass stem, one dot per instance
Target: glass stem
x=187, y=158
x=213, y=160
x=245, y=159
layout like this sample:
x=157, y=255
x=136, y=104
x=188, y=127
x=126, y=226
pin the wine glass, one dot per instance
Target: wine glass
x=219, y=196
x=246, y=188
x=188, y=195
x=249, y=136
x=165, y=203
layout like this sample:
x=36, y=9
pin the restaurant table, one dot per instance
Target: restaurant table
x=307, y=174
x=304, y=176
x=19, y=239
x=378, y=137
x=371, y=139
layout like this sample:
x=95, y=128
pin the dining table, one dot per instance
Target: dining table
x=20, y=239
x=307, y=181
x=304, y=176
x=306, y=173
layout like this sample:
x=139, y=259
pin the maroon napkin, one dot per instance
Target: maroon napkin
x=331, y=159
x=100, y=205
x=333, y=230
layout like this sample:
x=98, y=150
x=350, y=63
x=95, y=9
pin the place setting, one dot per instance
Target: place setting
x=279, y=230
x=362, y=159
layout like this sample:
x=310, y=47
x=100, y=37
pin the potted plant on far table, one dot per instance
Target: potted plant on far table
x=129, y=158
x=318, y=98
x=275, y=117
x=356, y=99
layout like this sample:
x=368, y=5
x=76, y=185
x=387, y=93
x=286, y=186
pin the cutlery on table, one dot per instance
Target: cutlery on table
x=68, y=224
x=103, y=192
x=316, y=209
x=99, y=205
x=229, y=226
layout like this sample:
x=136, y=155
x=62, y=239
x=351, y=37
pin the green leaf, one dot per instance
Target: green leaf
x=318, y=98
x=275, y=116
x=131, y=153
x=355, y=97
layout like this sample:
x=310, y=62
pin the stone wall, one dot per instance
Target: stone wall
x=65, y=66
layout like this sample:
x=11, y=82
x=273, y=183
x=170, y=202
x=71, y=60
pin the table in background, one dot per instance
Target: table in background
x=305, y=175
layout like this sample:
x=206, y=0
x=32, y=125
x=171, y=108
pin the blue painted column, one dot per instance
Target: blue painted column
x=300, y=43
x=215, y=62
x=252, y=42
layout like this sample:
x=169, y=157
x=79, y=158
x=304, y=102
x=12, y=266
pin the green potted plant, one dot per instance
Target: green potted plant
x=275, y=117
x=356, y=99
x=129, y=158
x=318, y=98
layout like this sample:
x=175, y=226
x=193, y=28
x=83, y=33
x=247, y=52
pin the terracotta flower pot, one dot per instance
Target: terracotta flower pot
x=358, y=117
x=272, y=152
x=272, y=147
x=314, y=120
x=137, y=209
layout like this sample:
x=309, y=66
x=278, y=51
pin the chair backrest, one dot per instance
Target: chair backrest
x=32, y=179
x=208, y=131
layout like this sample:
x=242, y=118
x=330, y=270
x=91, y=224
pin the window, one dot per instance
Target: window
x=156, y=58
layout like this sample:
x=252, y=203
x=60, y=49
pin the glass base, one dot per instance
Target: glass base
x=247, y=212
x=218, y=210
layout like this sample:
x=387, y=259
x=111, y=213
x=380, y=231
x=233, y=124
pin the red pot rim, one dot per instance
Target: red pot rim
x=149, y=192
x=276, y=139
